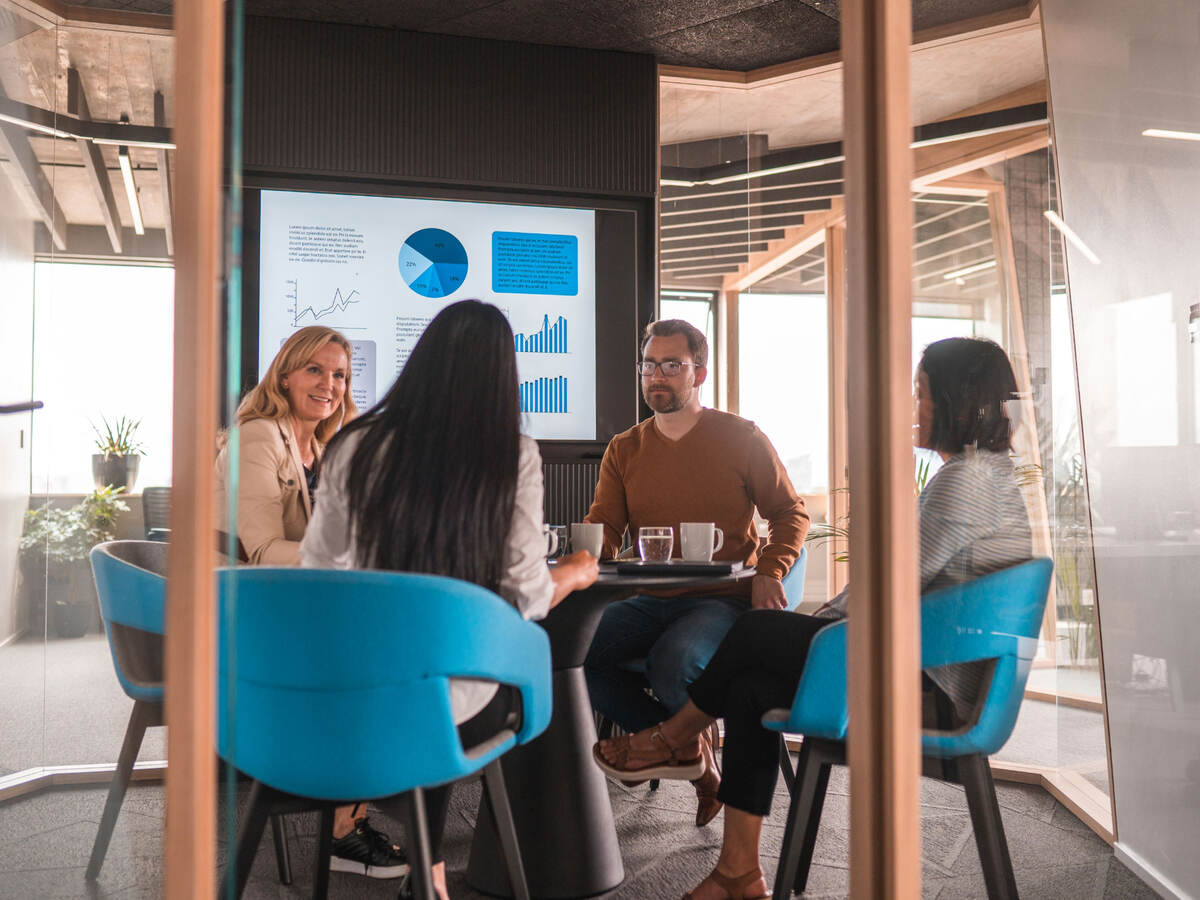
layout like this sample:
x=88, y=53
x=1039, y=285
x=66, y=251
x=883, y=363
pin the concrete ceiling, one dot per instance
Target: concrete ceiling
x=722, y=34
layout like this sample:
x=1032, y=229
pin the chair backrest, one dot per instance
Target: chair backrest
x=131, y=587
x=156, y=512
x=336, y=684
x=996, y=617
x=793, y=581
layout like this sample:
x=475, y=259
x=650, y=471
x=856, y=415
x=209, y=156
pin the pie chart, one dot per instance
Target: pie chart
x=433, y=263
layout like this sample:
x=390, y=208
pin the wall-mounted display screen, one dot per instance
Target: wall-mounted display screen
x=379, y=268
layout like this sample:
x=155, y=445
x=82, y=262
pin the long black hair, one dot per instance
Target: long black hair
x=432, y=482
x=970, y=379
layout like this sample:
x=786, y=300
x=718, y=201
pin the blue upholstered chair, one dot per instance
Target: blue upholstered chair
x=131, y=586
x=995, y=618
x=334, y=687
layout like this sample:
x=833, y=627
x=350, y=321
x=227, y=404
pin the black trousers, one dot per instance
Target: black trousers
x=757, y=667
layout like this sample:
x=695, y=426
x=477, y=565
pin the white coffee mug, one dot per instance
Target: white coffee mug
x=587, y=536
x=696, y=540
x=551, y=540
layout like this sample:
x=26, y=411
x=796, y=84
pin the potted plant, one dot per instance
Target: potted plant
x=55, y=546
x=120, y=452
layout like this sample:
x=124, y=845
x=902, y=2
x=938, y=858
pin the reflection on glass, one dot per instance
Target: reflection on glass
x=695, y=308
x=784, y=362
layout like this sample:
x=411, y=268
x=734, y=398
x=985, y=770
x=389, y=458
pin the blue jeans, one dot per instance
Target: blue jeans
x=676, y=636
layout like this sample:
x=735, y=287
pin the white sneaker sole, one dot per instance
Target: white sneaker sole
x=340, y=864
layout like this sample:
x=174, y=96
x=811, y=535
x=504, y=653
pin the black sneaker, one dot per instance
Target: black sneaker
x=366, y=851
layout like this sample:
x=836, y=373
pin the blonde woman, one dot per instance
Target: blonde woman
x=284, y=424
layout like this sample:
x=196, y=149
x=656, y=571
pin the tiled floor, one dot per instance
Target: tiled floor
x=45, y=841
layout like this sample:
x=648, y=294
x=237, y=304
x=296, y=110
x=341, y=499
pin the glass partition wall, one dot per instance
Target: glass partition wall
x=751, y=214
x=86, y=237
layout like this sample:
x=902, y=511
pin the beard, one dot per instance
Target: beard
x=663, y=399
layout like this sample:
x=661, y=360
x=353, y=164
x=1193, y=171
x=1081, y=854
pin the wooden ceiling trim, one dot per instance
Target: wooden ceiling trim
x=1009, y=21
x=796, y=243
x=1031, y=93
x=51, y=14
x=936, y=163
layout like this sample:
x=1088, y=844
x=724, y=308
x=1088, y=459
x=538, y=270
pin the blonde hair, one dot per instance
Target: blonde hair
x=267, y=400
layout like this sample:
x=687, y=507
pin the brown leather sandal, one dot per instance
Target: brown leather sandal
x=735, y=887
x=672, y=766
x=707, y=785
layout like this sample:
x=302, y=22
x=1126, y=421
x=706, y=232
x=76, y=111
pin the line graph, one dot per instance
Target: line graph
x=339, y=303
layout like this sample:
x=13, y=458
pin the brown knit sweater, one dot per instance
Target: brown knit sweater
x=718, y=472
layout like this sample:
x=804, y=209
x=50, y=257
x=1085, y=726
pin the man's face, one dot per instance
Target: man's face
x=665, y=394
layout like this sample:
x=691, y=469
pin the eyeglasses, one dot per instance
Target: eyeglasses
x=670, y=367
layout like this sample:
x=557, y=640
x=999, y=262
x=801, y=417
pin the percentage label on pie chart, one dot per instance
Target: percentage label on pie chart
x=433, y=263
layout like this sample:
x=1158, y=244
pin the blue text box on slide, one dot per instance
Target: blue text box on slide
x=524, y=262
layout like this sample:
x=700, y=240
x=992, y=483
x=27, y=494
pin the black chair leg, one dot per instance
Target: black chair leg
x=416, y=827
x=253, y=824
x=324, y=851
x=139, y=719
x=282, y=860
x=785, y=765
x=804, y=819
x=506, y=830
x=976, y=778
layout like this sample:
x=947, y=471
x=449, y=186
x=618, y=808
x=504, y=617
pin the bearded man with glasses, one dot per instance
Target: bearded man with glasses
x=685, y=464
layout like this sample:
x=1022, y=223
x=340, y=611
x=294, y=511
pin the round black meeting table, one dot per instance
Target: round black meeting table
x=559, y=798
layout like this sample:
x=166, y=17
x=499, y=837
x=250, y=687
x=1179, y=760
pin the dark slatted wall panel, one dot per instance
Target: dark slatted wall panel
x=353, y=102
x=569, y=490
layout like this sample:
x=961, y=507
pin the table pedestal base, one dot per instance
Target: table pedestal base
x=560, y=804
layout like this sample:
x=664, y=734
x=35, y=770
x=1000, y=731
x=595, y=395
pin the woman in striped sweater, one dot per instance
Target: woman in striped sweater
x=972, y=521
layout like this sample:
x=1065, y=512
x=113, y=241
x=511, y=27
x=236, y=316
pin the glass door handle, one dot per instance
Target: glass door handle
x=27, y=406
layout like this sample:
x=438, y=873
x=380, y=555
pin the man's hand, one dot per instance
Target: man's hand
x=767, y=593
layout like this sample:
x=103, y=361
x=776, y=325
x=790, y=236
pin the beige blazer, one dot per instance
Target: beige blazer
x=273, y=506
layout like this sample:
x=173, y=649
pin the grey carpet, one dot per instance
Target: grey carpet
x=45, y=841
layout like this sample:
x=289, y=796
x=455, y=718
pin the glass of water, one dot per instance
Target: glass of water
x=655, y=543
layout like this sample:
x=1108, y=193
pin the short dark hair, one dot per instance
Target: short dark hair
x=697, y=342
x=969, y=381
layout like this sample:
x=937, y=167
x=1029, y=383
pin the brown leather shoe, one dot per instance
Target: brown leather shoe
x=707, y=804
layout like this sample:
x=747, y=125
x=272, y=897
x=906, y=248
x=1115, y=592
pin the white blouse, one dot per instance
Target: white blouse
x=329, y=544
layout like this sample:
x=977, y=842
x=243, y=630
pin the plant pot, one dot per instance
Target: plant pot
x=118, y=471
x=70, y=620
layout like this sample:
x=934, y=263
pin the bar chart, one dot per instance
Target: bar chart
x=544, y=395
x=551, y=338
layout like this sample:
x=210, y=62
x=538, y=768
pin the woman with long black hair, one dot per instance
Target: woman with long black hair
x=437, y=478
x=972, y=521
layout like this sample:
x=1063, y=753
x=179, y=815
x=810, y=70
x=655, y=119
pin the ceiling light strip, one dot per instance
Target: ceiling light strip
x=135, y=208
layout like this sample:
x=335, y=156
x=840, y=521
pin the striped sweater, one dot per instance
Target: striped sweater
x=972, y=521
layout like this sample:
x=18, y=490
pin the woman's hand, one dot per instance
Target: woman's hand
x=574, y=572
